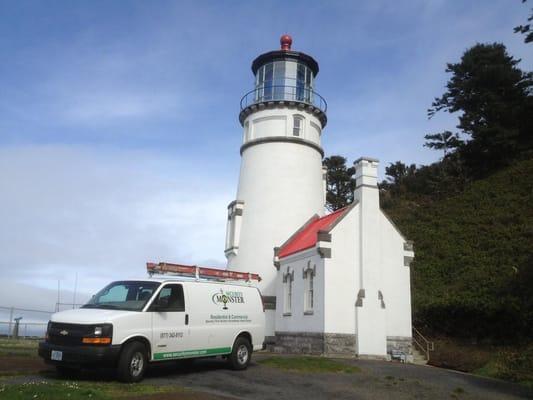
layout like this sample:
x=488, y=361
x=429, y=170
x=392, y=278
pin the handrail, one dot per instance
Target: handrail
x=283, y=93
x=425, y=345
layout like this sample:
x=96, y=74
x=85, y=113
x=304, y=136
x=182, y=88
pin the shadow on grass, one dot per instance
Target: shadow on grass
x=159, y=370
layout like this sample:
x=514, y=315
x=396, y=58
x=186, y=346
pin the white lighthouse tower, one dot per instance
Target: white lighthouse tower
x=281, y=182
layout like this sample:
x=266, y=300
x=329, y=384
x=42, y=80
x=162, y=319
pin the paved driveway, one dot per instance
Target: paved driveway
x=377, y=380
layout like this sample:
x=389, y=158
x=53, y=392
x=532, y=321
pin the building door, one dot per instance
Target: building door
x=170, y=323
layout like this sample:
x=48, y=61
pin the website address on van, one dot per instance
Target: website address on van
x=222, y=318
x=192, y=353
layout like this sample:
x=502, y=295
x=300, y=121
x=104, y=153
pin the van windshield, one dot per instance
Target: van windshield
x=123, y=295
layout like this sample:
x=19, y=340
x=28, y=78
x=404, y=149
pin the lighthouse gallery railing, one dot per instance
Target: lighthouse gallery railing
x=284, y=93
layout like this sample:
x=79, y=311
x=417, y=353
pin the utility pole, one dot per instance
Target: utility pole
x=10, y=320
x=75, y=289
x=58, y=295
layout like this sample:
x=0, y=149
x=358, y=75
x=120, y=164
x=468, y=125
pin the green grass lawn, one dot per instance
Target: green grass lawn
x=75, y=390
x=309, y=364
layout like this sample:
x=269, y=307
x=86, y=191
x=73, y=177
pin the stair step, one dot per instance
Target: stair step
x=419, y=358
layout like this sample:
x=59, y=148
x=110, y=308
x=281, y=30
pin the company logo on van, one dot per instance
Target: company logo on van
x=225, y=297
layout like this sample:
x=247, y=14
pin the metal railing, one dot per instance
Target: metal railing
x=424, y=345
x=284, y=93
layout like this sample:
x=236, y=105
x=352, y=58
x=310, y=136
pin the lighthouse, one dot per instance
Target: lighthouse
x=281, y=181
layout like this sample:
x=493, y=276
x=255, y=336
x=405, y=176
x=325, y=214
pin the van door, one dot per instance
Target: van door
x=170, y=330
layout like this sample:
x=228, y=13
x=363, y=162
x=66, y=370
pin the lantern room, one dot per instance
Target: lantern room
x=284, y=76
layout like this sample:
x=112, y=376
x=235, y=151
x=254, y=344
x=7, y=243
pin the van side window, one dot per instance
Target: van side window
x=172, y=297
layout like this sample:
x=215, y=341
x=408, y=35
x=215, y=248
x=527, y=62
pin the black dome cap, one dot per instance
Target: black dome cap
x=284, y=55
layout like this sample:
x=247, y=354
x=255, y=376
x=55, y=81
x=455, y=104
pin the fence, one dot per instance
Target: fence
x=32, y=323
x=25, y=330
x=66, y=306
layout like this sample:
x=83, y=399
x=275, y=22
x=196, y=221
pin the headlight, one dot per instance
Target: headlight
x=99, y=334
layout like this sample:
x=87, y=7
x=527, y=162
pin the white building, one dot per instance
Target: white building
x=339, y=283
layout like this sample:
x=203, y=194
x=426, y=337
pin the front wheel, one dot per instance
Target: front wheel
x=132, y=362
x=241, y=354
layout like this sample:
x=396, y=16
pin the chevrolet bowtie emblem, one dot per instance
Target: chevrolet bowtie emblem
x=64, y=333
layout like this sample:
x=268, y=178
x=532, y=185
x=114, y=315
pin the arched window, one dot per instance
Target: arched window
x=298, y=126
x=287, y=291
x=309, y=285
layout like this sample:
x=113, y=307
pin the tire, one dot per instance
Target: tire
x=67, y=372
x=132, y=362
x=241, y=354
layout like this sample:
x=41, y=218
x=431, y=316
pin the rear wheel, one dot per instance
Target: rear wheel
x=132, y=362
x=241, y=354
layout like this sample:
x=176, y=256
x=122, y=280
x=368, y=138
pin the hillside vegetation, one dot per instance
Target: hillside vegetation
x=470, y=213
x=472, y=276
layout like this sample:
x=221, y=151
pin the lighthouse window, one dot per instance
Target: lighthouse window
x=309, y=280
x=287, y=291
x=247, y=131
x=309, y=294
x=300, y=82
x=288, y=302
x=269, y=75
x=298, y=126
x=279, y=80
x=304, y=83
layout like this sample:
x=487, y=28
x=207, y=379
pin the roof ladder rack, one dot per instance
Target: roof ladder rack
x=194, y=271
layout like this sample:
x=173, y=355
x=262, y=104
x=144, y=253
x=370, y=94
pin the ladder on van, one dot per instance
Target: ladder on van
x=194, y=271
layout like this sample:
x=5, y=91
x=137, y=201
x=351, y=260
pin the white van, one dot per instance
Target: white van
x=131, y=323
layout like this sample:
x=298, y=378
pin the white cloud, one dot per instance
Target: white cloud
x=103, y=214
x=91, y=108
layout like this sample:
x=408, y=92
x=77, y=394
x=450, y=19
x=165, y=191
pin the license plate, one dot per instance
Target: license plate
x=56, y=355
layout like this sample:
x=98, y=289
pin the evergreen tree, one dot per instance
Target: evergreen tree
x=444, y=141
x=494, y=98
x=526, y=29
x=398, y=172
x=340, y=182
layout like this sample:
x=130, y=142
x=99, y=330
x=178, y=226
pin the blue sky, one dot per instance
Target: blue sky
x=119, y=138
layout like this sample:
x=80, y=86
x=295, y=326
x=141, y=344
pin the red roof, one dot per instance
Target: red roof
x=307, y=236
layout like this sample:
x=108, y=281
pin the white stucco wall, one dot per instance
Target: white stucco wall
x=369, y=314
x=367, y=253
x=281, y=186
x=298, y=320
x=397, y=285
x=272, y=122
x=341, y=277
